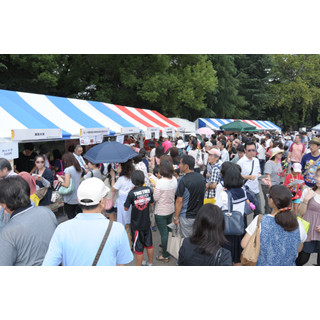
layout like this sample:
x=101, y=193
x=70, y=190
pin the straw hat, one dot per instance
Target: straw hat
x=315, y=140
x=275, y=151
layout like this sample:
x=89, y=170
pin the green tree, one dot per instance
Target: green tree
x=295, y=89
x=225, y=101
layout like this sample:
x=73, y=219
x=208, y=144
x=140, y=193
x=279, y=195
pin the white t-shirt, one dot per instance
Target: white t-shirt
x=268, y=143
x=261, y=153
x=194, y=154
x=253, y=225
x=224, y=155
x=246, y=166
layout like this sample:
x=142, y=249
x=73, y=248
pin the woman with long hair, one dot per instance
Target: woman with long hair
x=281, y=234
x=205, y=246
x=309, y=209
x=44, y=178
x=232, y=186
x=72, y=171
x=156, y=159
x=123, y=187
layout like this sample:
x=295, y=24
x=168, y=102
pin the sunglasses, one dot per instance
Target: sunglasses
x=39, y=161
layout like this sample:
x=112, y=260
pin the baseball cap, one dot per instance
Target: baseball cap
x=296, y=167
x=91, y=191
x=214, y=152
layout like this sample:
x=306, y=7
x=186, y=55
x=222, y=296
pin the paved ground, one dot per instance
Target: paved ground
x=173, y=262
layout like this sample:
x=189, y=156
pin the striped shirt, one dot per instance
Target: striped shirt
x=164, y=196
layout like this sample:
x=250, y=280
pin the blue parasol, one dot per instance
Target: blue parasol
x=110, y=152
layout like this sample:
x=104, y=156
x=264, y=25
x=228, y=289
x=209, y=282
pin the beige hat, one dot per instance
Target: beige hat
x=275, y=151
x=315, y=140
x=180, y=144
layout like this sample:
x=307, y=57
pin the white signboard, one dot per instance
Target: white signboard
x=120, y=139
x=153, y=130
x=35, y=134
x=9, y=150
x=148, y=135
x=85, y=141
x=180, y=129
x=157, y=135
x=94, y=132
x=130, y=130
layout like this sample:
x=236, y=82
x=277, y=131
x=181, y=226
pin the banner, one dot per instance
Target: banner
x=120, y=139
x=130, y=130
x=35, y=134
x=86, y=141
x=85, y=132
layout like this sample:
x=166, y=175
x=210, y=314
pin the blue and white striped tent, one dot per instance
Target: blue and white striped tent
x=215, y=124
x=20, y=110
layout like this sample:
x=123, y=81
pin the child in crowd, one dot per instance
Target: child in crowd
x=141, y=198
x=155, y=176
x=296, y=189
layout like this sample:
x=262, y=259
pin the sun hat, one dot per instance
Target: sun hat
x=208, y=144
x=215, y=152
x=296, y=167
x=275, y=151
x=193, y=135
x=31, y=181
x=180, y=144
x=315, y=140
x=91, y=191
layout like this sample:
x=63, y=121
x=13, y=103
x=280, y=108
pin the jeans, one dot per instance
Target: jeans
x=265, y=190
x=262, y=163
x=162, y=222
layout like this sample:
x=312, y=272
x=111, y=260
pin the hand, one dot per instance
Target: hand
x=60, y=178
x=252, y=177
x=318, y=228
x=309, y=195
x=112, y=173
x=176, y=222
x=207, y=186
x=208, y=175
x=38, y=177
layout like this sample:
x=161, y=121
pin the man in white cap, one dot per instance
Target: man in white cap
x=76, y=242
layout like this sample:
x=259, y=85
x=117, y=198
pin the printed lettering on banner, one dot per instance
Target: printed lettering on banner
x=9, y=150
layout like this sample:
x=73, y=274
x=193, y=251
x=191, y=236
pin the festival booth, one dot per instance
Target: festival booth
x=215, y=124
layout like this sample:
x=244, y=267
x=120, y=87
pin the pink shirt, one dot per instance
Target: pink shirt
x=297, y=150
x=166, y=145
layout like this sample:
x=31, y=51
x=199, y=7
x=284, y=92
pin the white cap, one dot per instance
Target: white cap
x=296, y=167
x=181, y=144
x=91, y=191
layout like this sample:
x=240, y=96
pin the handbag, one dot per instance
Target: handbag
x=40, y=193
x=174, y=242
x=64, y=191
x=209, y=200
x=104, y=240
x=109, y=203
x=306, y=224
x=250, y=253
x=234, y=223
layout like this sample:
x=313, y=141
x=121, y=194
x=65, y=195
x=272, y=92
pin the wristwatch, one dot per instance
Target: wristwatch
x=175, y=219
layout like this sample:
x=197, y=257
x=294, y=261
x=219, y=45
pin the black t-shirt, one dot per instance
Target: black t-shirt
x=25, y=163
x=140, y=198
x=192, y=188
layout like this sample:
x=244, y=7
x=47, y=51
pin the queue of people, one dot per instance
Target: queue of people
x=195, y=187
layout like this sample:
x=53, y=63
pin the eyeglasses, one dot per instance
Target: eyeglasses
x=39, y=161
x=251, y=150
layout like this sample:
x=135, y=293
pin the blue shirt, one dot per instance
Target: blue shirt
x=76, y=242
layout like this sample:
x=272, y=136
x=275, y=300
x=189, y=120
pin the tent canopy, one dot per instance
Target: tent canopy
x=21, y=110
x=237, y=126
x=316, y=128
x=215, y=124
x=189, y=126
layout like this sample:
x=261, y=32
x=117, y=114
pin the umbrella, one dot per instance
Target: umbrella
x=110, y=152
x=205, y=130
x=237, y=126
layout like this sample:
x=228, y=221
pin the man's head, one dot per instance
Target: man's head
x=236, y=143
x=240, y=151
x=298, y=139
x=78, y=150
x=222, y=144
x=14, y=193
x=186, y=163
x=5, y=167
x=91, y=195
x=28, y=149
x=314, y=145
x=268, y=136
x=214, y=155
x=250, y=149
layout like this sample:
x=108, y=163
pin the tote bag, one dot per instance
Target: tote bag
x=64, y=191
x=174, y=242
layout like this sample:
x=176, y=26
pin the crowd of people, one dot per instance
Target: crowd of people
x=112, y=209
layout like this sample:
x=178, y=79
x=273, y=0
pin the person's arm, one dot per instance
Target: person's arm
x=245, y=240
x=54, y=253
x=124, y=254
x=249, y=232
x=156, y=194
x=304, y=203
x=178, y=207
x=8, y=254
x=128, y=202
x=300, y=247
x=66, y=181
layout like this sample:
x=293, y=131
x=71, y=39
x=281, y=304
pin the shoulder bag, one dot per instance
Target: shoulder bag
x=234, y=223
x=64, y=191
x=250, y=253
x=216, y=258
x=245, y=181
x=104, y=240
x=174, y=242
